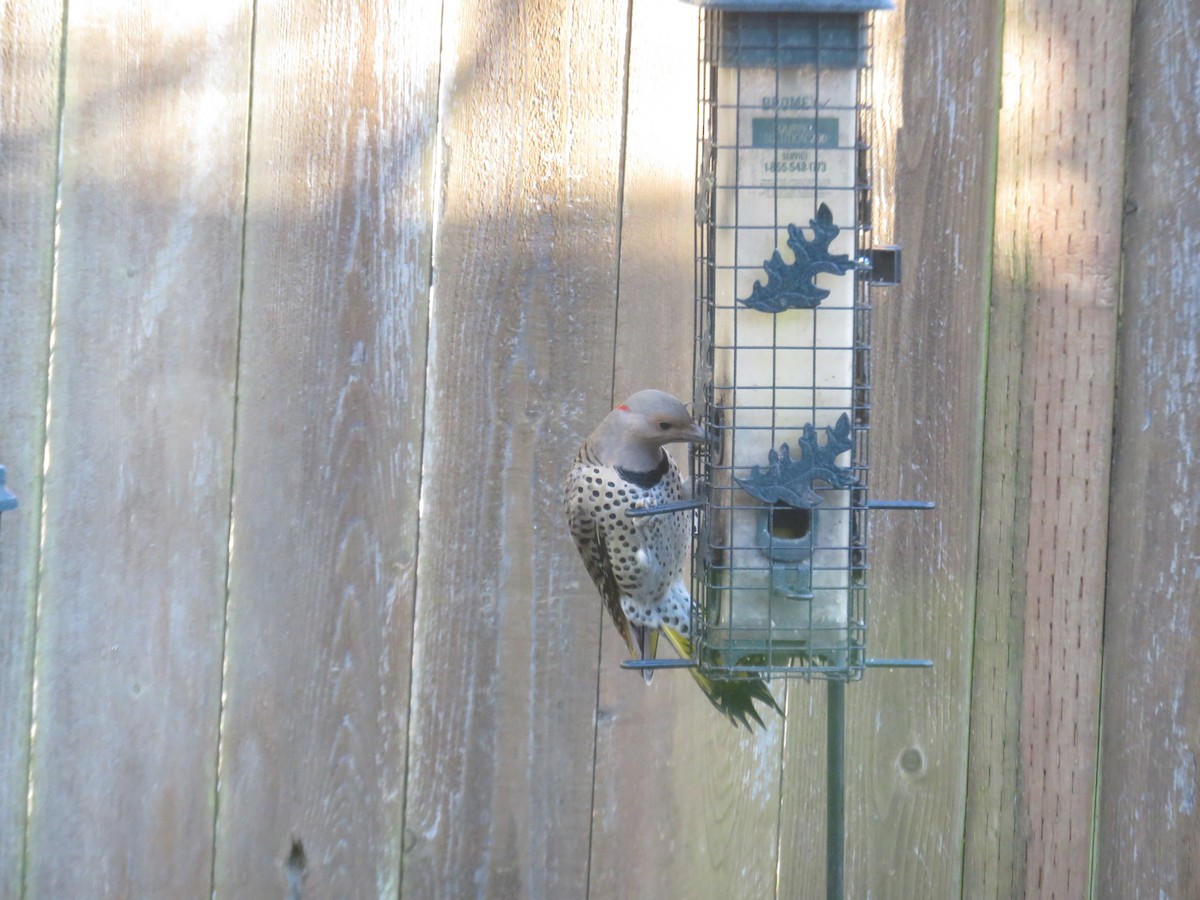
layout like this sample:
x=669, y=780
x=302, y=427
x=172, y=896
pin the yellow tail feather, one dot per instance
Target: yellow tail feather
x=733, y=696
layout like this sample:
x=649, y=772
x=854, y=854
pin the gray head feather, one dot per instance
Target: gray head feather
x=632, y=435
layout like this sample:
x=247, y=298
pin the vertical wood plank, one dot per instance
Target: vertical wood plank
x=506, y=635
x=30, y=40
x=331, y=384
x=996, y=833
x=803, y=796
x=138, y=451
x=907, y=730
x=1149, y=827
x=685, y=804
x=1049, y=421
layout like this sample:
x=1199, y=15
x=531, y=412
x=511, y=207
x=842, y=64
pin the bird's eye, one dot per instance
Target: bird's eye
x=664, y=426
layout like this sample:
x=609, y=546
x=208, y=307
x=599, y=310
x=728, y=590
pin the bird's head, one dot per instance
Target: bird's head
x=656, y=418
x=632, y=435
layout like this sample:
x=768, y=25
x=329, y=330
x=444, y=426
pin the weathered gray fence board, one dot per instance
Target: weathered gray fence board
x=685, y=804
x=30, y=39
x=520, y=362
x=1049, y=420
x=1147, y=814
x=997, y=828
x=327, y=465
x=907, y=729
x=128, y=663
x=802, y=792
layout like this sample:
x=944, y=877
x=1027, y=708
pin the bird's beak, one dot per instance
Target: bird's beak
x=697, y=435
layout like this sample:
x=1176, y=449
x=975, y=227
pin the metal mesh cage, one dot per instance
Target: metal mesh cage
x=782, y=355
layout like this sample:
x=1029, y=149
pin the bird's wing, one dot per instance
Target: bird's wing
x=593, y=550
x=599, y=566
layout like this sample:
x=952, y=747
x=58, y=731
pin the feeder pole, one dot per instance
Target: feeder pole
x=835, y=790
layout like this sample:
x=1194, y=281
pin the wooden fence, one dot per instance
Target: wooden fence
x=304, y=309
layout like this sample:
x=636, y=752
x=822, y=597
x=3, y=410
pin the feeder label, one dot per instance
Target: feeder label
x=770, y=132
x=770, y=102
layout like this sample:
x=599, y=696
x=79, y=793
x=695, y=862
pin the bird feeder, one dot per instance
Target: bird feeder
x=784, y=270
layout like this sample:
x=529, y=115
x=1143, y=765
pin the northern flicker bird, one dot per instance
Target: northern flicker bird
x=637, y=562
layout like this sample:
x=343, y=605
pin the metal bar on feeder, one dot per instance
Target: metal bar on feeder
x=676, y=506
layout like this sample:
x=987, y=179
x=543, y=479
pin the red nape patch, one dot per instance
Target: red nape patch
x=623, y=408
